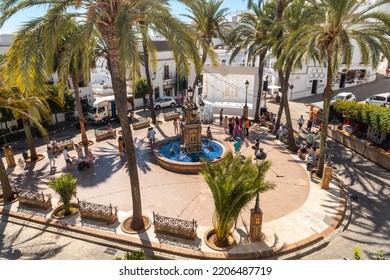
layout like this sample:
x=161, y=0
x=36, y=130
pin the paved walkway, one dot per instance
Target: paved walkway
x=298, y=215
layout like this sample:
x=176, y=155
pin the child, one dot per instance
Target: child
x=237, y=145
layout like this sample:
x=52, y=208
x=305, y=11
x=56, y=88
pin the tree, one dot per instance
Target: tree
x=208, y=22
x=115, y=23
x=233, y=184
x=66, y=187
x=249, y=35
x=335, y=28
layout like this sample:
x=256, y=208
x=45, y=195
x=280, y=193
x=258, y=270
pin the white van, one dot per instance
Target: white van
x=379, y=99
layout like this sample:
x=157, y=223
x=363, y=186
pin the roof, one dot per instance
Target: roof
x=109, y=98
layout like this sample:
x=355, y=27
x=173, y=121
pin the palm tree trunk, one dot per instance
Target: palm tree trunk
x=260, y=89
x=30, y=139
x=325, y=115
x=148, y=80
x=84, y=138
x=5, y=185
x=197, y=77
x=111, y=39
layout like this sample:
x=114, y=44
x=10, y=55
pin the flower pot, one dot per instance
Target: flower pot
x=210, y=238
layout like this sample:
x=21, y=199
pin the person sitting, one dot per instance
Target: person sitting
x=110, y=129
x=302, y=150
x=209, y=134
x=311, y=154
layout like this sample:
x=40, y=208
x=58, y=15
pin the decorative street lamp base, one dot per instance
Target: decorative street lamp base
x=245, y=111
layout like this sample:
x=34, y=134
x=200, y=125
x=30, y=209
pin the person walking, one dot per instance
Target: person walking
x=151, y=135
x=220, y=116
x=300, y=122
x=225, y=124
x=67, y=159
x=51, y=157
x=176, y=126
x=309, y=124
x=237, y=145
x=121, y=146
x=247, y=125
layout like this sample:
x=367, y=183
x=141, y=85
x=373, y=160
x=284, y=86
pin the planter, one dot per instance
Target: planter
x=58, y=212
x=171, y=116
x=141, y=124
x=126, y=225
x=9, y=202
x=210, y=238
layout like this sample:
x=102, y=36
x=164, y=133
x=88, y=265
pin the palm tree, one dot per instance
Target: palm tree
x=66, y=56
x=66, y=187
x=250, y=34
x=338, y=25
x=208, y=22
x=115, y=22
x=233, y=184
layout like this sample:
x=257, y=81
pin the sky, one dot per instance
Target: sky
x=12, y=24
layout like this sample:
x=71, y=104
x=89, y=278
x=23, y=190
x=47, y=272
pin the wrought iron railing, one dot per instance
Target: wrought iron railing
x=107, y=210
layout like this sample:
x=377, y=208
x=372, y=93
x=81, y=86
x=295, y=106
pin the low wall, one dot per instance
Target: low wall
x=367, y=150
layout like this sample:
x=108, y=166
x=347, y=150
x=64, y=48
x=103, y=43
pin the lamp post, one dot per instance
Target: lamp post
x=245, y=109
x=256, y=221
x=190, y=92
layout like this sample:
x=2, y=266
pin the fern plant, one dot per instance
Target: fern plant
x=65, y=186
x=233, y=183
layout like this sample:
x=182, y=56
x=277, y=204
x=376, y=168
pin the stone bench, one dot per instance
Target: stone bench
x=176, y=227
x=141, y=123
x=98, y=212
x=61, y=144
x=103, y=134
x=171, y=116
x=34, y=199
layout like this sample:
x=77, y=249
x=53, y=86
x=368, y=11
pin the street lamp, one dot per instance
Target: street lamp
x=245, y=109
x=190, y=92
x=265, y=90
x=256, y=213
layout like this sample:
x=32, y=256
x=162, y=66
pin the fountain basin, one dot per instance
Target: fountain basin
x=179, y=162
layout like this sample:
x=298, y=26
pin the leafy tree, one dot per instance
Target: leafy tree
x=66, y=187
x=334, y=28
x=233, y=184
x=141, y=88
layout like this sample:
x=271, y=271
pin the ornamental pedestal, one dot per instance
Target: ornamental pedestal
x=255, y=225
x=9, y=156
x=326, y=177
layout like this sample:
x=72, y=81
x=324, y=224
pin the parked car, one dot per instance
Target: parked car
x=343, y=96
x=164, y=101
x=379, y=99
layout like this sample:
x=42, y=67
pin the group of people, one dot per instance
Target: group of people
x=236, y=126
x=313, y=121
x=52, y=155
x=307, y=151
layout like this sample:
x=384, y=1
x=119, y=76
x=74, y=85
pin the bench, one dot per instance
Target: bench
x=103, y=134
x=61, y=144
x=34, y=199
x=141, y=123
x=176, y=227
x=98, y=212
x=171, y=116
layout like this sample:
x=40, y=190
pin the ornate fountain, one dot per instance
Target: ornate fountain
x=183, y=153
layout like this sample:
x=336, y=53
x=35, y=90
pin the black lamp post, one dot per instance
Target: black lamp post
x=190, y=92
x=256, y=221
x=245, y=109
x=265, y=89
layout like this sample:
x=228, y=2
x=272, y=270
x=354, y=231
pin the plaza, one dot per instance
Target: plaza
x=298, y=214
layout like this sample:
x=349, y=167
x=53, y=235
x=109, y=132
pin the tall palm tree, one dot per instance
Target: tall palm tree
x=250, y=35
x=208, y=22
x=115, y=22
x=66, y=56
x=337, y=27
x=233, y=184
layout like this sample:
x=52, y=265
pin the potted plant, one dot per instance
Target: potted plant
x=234, y=183
x=65, y=186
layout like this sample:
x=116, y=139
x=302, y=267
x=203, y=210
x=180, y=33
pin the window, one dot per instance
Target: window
x=166, y=72
x=101, y=109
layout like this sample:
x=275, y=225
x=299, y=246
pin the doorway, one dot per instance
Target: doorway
x=314, y=87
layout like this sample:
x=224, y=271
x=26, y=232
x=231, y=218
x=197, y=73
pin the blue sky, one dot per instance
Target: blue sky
x=12, y=24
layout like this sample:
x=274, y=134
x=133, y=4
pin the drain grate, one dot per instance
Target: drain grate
x=110, y=251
